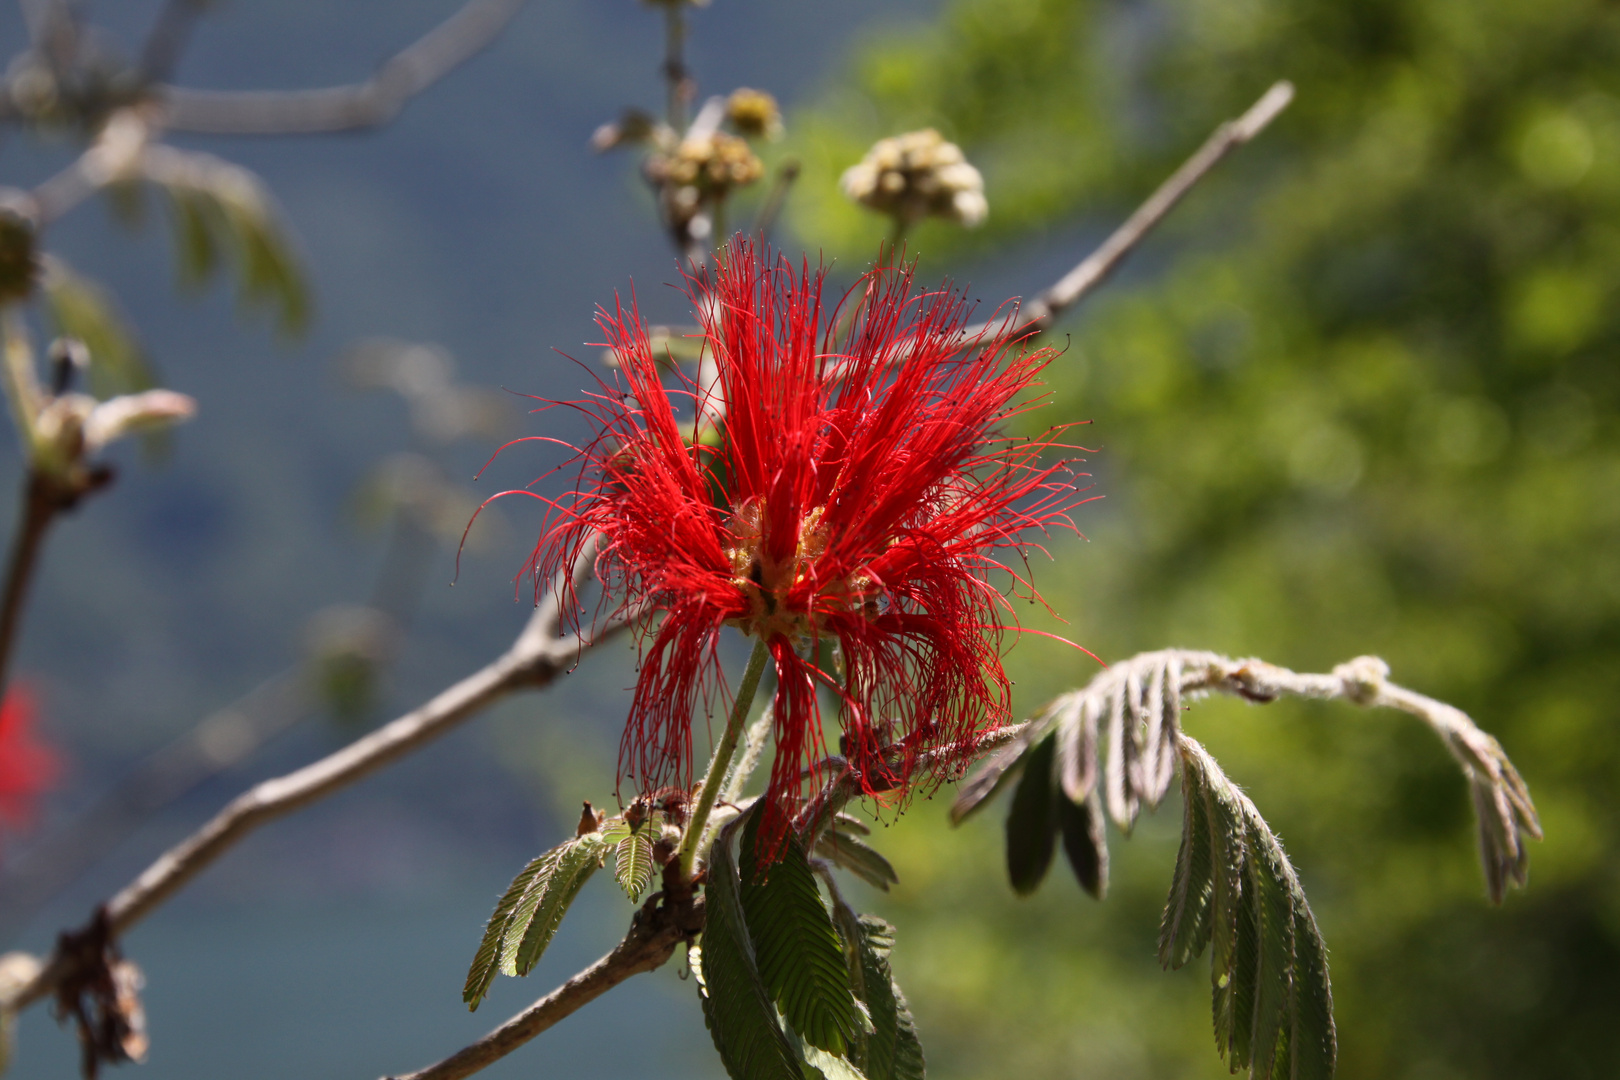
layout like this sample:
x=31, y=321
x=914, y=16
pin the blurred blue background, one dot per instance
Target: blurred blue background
x=1359, y=395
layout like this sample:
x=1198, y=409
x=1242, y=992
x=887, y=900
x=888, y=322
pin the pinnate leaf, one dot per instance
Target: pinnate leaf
x=736, y=1006
x=1273, y=919
x=1272, y=1001
x=891, y=1050
x=1185, y=929
x=486, y=961
x=540, y=911
x=528, y=913
x=1312, y=1042
x=799, y=956
x=220, y=207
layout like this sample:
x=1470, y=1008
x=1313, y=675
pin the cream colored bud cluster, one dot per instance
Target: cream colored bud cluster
x=712, y=163
x=702, y=168
x=695, y=172
x=915, y=175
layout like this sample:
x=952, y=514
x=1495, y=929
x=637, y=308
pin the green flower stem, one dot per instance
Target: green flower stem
x=722, y=759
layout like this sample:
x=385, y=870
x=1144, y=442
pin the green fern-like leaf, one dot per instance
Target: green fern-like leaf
x=736, y=1006
x=891, y=1051
x=540, y=910
x=800, y=958
x=1032, y=822
x=487, y=960
x=1186, y=926
x=1274, y=921
x=1272, y=1001
x=1312, y=1042
x=1228, y=911
x=529, y=912
x=196, y=238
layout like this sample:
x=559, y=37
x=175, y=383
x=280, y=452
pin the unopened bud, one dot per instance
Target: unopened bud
x=590, y=820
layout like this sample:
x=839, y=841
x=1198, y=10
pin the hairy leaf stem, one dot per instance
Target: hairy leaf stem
x=721, y=761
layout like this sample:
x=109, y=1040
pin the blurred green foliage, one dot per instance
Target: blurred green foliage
x=1370, y=407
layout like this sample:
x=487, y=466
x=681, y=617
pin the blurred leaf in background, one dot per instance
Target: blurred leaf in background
x=1369, y=409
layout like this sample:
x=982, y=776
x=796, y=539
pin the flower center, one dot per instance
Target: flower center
x=779, y=601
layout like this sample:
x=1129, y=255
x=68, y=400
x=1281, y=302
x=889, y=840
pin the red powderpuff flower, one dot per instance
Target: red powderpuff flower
x=28, y=767
x=853, y=495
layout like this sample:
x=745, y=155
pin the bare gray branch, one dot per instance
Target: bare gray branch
x=343, y=108
x=1038, y=314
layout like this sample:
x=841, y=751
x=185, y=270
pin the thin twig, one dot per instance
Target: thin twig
x=39, y=510
x=342, y=108
x=62, y=191
x=1038, y=314
x=659, y=928
x=535, y=659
